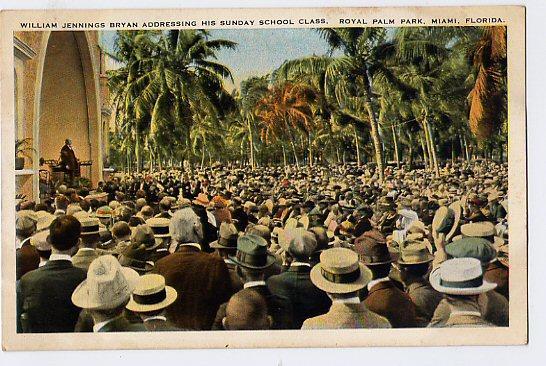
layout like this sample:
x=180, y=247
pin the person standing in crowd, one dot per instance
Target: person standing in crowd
x=341, y=276
x=414, y=266
x=384, y=296
x=226, y=246
x=201, y=277
x=461, y=280
x=105, y=293
x=252, y=260
x=43, y=302
x=149, y=300
x=295, y=284
x=89, y=239
x=247, y=310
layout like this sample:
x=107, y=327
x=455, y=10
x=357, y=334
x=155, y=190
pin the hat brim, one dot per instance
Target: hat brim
x=340, y=288
x=429, y=258
x=434, y=280
x=271, y=259
x=216, y=245
x=80, y=296
x=171, y=296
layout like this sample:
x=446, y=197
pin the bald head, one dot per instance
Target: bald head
x=247, y=310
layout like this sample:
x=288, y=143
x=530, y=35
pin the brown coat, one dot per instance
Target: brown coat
x=347, y=316
x=387, y=300
x=497, y=273
x=425, y=298
x=493, y=306
x=202, y=282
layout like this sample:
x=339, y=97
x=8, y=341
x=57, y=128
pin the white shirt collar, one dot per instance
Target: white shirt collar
x=42, y=262
x=350, y=300
x=190, y=245
x=299, y=264
x=465, y=312
x=100, y=325
x=20, y=243
x=86, y=249
x=254, y=284
x=60, y=257
x=156, y=317
x=372, y=283
x=229, y=261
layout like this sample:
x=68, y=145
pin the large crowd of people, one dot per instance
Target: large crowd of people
x=235, y=248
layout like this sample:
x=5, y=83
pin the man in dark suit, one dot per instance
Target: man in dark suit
x=306, y=299
x=384, y=296
x=69, y=161
x=201, y=279
x=252, y=259
x=43, y=302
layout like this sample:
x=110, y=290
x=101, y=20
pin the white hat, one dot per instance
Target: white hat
x=43, y=220
x=460, y=276
x=151, y=294
x=108, y=285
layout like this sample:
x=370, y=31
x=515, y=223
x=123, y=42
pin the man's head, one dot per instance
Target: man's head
x=68, y=142
x=121, y=231
x=64, y=233
x=185, y=226
x=246, y=310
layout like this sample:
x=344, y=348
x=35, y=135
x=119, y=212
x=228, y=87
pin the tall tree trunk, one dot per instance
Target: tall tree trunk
x=466, y=151
x=310, y=147
x=410, y=153
x=284, y=155
x=251, y=142
x=396, y=154
x=337, y=155
x=357, y=144
x=374, y=131
x=432, y=148
x=425, y=151
x=137, y=149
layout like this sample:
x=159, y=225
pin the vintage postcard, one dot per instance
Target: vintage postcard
x=214, y=178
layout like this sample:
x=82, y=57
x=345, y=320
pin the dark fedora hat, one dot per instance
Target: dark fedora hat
x=135, y=256
x=372, y=250
x=252, y=252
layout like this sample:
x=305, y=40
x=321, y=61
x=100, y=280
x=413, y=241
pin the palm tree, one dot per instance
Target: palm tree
x=488, y=96
x=170, y=80
x=286, y=110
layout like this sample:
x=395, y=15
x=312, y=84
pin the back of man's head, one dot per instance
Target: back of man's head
x=64, y=233
x=185, y=226
x=246, y=310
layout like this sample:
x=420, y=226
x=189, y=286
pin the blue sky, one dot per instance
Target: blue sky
x=259, y=51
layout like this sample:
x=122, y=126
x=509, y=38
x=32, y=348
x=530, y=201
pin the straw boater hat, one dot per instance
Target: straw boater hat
x=159, y=226
x=460, y=276
x=108, y=285
x=151, y=294
x=227, y=237
x=415, y=253
x=483, y=229
x=252, y=252
x=291, y=223
x=340, y=272
x=503, y=255
x=446, y=219
x=90, y=225
x=201, y=200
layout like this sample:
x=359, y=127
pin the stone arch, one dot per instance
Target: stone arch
x=67, y=99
